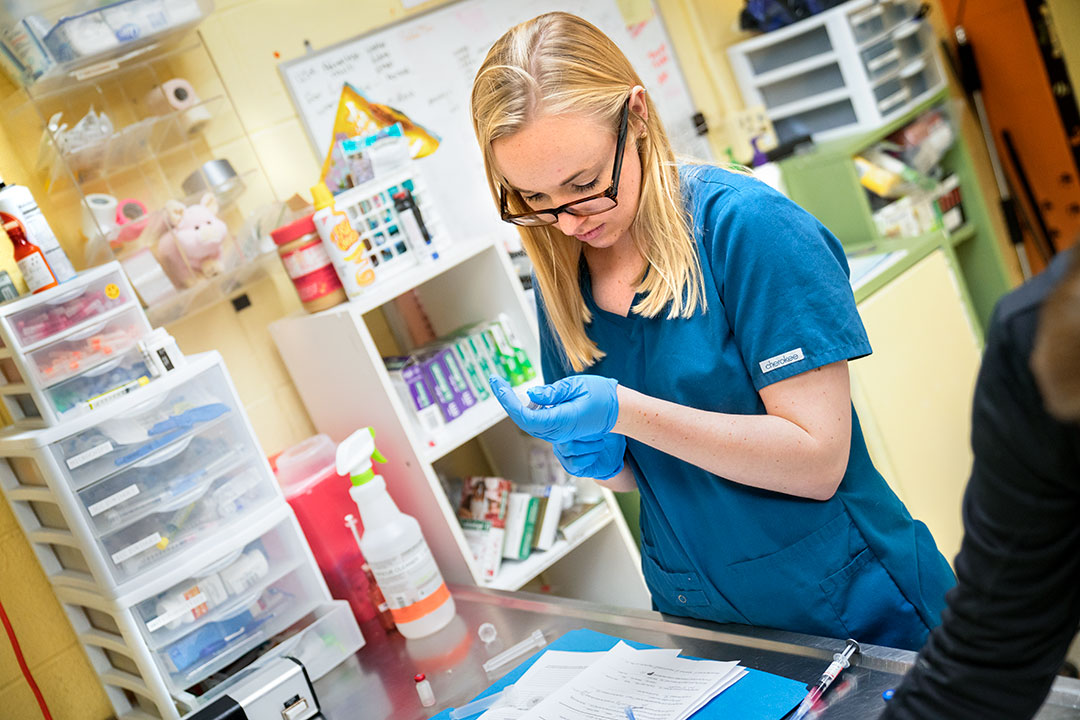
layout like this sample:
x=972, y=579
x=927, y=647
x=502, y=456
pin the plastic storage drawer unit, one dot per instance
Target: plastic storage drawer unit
x=62, y=349
x=170, y=467
x=257, y=595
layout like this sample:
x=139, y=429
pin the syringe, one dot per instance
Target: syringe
x=841, y=661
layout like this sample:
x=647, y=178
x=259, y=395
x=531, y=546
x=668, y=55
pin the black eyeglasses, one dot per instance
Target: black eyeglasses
x=592, y=205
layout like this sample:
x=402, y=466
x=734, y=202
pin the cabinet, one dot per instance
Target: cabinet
x=335, y=360
x=914, y=393
x=846, y=70
x=142, y=153
x=168, y=543
x=824, y=181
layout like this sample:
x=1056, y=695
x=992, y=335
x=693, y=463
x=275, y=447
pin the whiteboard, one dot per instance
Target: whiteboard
x=424, y=66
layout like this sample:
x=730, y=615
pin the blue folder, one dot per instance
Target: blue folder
x=757, y=696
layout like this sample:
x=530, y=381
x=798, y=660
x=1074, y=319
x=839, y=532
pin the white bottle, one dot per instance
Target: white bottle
x=189, y=604
x=16, y=200
x=393, y=545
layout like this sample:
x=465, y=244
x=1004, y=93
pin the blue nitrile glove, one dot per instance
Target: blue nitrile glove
x=599, y=457
x=573, y=408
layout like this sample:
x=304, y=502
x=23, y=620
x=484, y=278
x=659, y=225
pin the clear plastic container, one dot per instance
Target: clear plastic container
x=199, y=654
x=320, y=499
x=79, y=394
x=147, y=434
x=222, y=590
x=82, y=351
x=32, y=321
x=55, y=38
x=190, y=473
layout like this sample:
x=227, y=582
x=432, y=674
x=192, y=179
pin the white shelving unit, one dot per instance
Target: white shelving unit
x=844, y=71
x=337, y=366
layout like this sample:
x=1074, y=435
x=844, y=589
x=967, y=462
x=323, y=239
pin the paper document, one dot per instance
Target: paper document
x=657, y=684
x=550, y=672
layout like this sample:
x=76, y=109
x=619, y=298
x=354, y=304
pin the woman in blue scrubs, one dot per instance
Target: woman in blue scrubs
x=695, y=329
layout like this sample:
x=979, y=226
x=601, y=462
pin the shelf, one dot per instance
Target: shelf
x=963, y=234
x=472, y=422
x=796, y=69
x=906, y=29
x=811, y=103
x=209, y=291
x=890, y=103
x=129, y=146
x=382, y=293
x=514, y=574
x=914, y=67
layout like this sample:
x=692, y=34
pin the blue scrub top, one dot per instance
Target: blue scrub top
x=779, y=304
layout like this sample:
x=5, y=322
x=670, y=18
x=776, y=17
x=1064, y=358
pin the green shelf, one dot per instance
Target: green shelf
x=824, y=182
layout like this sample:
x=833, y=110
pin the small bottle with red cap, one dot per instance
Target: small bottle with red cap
x=423, y=689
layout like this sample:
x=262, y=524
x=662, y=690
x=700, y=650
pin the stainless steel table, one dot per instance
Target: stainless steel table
x=377, y=683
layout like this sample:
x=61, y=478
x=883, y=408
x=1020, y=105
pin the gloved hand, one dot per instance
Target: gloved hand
x=599, y=457
x=572, y=408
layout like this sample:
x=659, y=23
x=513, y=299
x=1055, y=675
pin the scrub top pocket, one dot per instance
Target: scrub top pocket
x=683, y=593
x=869, y=604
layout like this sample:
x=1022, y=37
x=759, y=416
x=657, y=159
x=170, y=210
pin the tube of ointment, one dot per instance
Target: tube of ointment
x=536, y=640
x=480, y=704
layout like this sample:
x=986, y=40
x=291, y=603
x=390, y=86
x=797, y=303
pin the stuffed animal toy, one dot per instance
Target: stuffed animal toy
x=193, y=246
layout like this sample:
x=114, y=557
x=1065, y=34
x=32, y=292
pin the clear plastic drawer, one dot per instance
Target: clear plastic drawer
x=148, y=434
x=153, y=511
x=84, y=392
x=74, y=305
x=243, y=624
x=248, y=579
x=84, y=351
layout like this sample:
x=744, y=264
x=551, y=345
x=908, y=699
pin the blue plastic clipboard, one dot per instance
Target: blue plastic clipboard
x=757, y=696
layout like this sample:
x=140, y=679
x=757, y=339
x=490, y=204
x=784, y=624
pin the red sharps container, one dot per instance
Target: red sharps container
x=320, y=499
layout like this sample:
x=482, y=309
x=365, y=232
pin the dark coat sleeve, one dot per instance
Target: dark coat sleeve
x=1016, y=606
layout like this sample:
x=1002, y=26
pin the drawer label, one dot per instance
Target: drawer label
x=76, y=461
x=177, y=612
x=113, y=500
x=135, y=548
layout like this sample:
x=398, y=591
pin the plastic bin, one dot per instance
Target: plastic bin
x=320, y=499
x=131, y=488
x=55, y=38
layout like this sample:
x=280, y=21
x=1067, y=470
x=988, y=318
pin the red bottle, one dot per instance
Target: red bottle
x=28, y=256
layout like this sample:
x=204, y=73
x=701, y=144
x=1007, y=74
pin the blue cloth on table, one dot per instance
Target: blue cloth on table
x=757, y=696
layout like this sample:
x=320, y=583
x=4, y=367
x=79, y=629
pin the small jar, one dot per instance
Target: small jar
x=307, y=264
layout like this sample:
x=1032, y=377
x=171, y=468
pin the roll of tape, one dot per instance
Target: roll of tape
x=129, y=209
x=175, y=94
x=98, y=214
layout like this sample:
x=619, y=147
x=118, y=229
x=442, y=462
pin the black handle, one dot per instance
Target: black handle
x=965, y=60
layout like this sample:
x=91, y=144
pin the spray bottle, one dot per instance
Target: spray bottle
x=392, y=542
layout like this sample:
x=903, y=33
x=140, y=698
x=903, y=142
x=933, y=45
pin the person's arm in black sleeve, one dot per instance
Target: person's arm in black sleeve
x=1016, y=606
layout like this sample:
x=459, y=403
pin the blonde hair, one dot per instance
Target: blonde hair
x=559, y=63
x=1055, y=360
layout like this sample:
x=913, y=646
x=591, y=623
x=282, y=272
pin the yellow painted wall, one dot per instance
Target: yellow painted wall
x=56, y=660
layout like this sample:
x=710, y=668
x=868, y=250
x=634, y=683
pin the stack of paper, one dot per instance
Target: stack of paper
x=655, y=684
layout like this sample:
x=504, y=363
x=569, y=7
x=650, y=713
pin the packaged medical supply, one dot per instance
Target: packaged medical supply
x=409, y=380
x=394, y=545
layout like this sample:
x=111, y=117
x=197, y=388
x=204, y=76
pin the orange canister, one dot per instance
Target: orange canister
x=307, y=264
